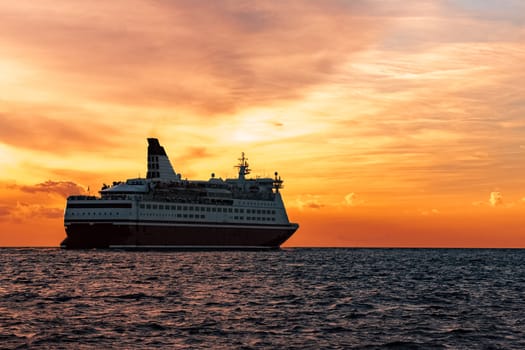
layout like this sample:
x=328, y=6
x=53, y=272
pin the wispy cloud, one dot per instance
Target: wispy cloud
x=248, y=53
x=309, y=202
x=61, y=188
x=31, y=128
x=193, y=153
x=44, y=200
x=25, y=211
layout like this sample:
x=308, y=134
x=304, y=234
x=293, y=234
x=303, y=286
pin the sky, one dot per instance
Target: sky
x=392, y=123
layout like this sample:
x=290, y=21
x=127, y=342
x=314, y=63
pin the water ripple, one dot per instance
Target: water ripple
x=293, y=298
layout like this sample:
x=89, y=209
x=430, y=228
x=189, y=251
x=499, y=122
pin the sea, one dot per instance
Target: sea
x=297, y=298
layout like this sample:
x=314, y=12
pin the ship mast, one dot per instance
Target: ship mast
x=277, y=182
x=243, y=166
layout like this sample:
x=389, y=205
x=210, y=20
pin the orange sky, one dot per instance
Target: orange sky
x=392, y=123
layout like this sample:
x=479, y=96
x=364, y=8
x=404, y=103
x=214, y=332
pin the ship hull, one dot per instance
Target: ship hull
x=132, y=235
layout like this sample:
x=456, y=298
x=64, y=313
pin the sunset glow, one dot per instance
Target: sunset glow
x=392, y=123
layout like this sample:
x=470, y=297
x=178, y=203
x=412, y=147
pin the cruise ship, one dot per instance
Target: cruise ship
x=165, y=211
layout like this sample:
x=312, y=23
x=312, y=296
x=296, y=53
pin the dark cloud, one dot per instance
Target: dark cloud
x=314, y=205
x=61, y=188
x=22, y=202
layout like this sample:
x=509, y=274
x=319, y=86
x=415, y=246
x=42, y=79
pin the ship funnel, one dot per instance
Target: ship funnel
x=159, y=165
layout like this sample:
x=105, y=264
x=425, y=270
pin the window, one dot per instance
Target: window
x=154, y=206
x=142, y=206
x=161, y=206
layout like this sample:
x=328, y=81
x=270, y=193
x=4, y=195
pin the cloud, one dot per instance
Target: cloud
x=23, y=203
x=309, y=202
x=352, y=200
x=25, y=211
x=425, y=212
x=192, y=153
x=28, y=128
x=61, y=188
x=4, y=211
x=495, y=199
x=395, y=99
x=216, y=57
